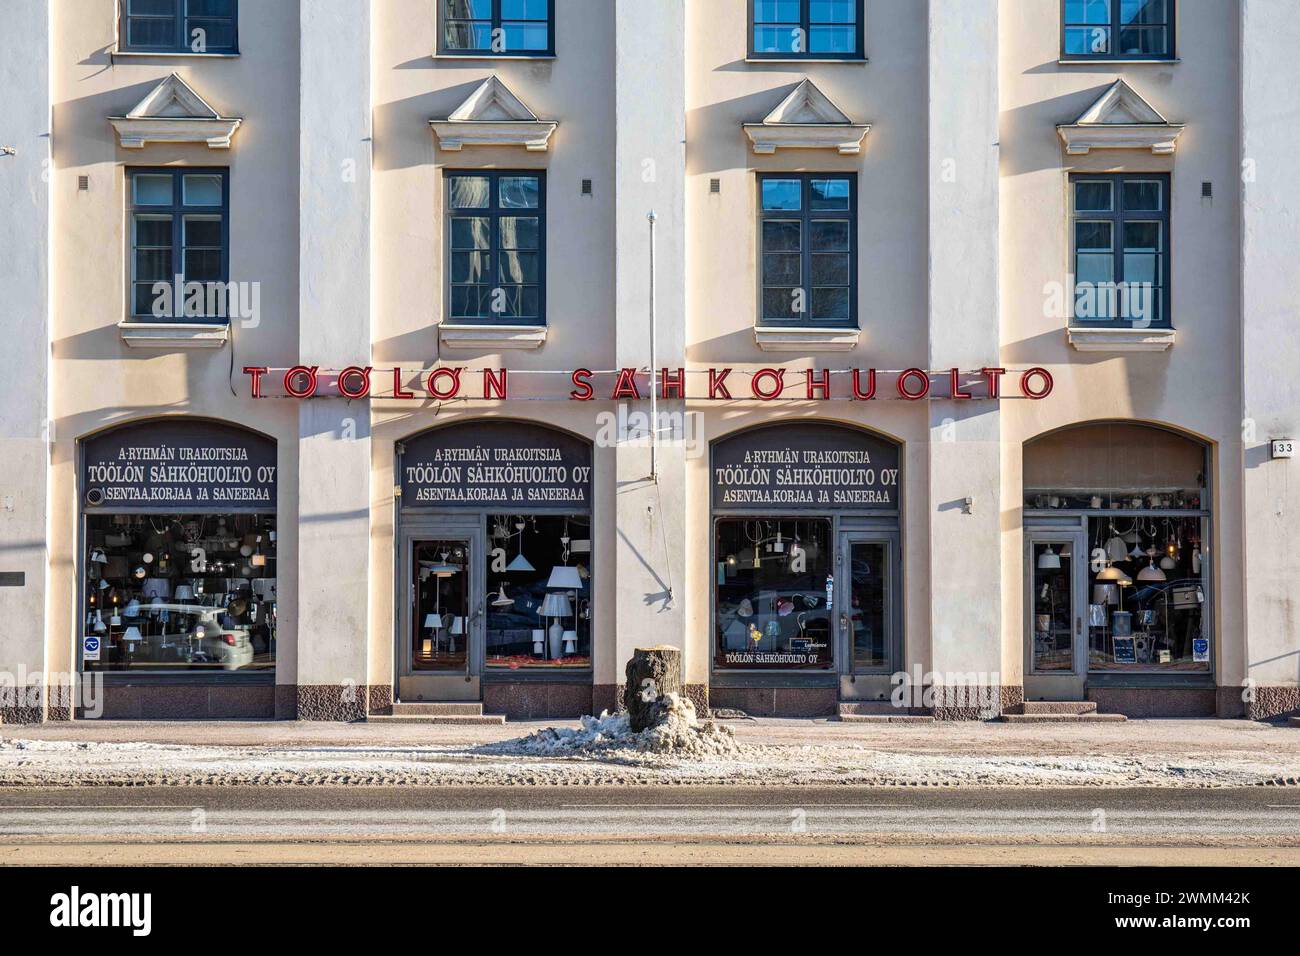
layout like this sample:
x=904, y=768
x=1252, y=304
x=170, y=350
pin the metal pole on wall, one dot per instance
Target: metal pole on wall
x=654, y=390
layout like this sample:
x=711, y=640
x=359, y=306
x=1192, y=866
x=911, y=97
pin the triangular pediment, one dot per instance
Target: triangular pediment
x=492, y=102
x=1120, y=105
x=1120, y=119
x=493, y=116
x=808, y=106
x=173, y=98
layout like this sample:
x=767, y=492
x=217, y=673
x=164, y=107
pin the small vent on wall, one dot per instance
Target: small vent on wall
x=715, y=186
x=586, y=187
x=83, y=183
x=1207, y=190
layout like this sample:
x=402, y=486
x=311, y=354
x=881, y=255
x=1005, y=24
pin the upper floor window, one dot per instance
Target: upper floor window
x=180, y=233
x=812, y=29
x=808, y=265
x=179, y=26
x=496, y=247
x=1120, y=227
x=497, y=28
x=1118, y=29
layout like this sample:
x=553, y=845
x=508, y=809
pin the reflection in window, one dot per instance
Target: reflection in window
x=497, y=27
x=806, y=227
x=176, y=26
x=771, y=592
x=180, y=592
x=818, y=29
x=178, y=229
x=1121, y=258
x=539, y=592
x=1114, y=29
x=496, y=241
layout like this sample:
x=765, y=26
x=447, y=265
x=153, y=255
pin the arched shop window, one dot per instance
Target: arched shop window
x=179, y=549
x=807, y=563
x=1138, y=496
x=497, y=544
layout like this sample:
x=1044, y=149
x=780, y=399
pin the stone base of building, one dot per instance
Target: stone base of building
x=537, y=700
x=777, y=701
x=181, y=701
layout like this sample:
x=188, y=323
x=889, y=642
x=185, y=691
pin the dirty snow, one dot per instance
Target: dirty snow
x=603, y=751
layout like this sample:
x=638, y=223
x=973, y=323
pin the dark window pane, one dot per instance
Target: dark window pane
x=145, y=297
x=1141, y=237
x=832, y=39
x=775, y=39
x=830, y=235
x=202, y=265
x=468, y=34
x=527, y=302
x=469, y=301
x=1087, y=41
x=779, y=304
x=782, y=194
x=830, y=269
x=469, y=9
x=1143, y=195
x=156, y=33
x=216, y=35
x=1142, y=11
x=833, y=11
x=470, y=192
x=830, y=303
x=1092, y=235
x=519, y=233
x=153, y=264
x=1092, y=196
x=518, y=267
x=210, y=8
x=830, y=194
x=1087, y=11
x=471, y=233
x=471, y=267
x=202, y=232
x=1142, y=41
x=152, y=8
x=781, y=269
x=153, y=230
x=776, y=11
x=519, y=192
x=781, y=235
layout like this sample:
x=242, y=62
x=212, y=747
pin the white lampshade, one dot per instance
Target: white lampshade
x=570, y=639
x=1151, y=573
x=1168, y=563
x=1110, y=573
x=132, y=635
x=457, y=626
x=132, y=608
x=1105, y=594
x=98, y=557
x=184, y=592
x=100, y=626
x=433, y=620
x=1049, y=560
x=556, y=605
x=501, y=600
x=1116, y=548
x=520, y=563
x=564, y=578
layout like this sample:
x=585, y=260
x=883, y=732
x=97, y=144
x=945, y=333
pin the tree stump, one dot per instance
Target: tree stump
x=652, y=674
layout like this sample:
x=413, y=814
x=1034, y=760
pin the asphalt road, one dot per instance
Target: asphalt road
x=556, y=825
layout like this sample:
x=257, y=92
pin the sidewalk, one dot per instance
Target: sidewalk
x=1161, y=753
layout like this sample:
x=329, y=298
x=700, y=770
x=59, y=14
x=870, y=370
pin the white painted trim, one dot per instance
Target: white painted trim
x=459, y=336
x=492, y=115
x=143, y=54
x=788, y=339
x=174, y=335
x=1120, y=340
x=172, y=112
x=1139, y=125
x=806, y=119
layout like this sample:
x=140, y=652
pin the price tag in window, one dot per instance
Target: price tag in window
x=1282, y=448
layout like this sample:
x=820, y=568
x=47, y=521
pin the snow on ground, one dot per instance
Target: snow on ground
x=604, y=751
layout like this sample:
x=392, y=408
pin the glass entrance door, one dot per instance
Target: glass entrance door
x=867, y=603
x=440, y=627
x=1056, y=650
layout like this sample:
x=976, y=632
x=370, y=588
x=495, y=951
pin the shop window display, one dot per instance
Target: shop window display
x=773, y=588
x=184, y=592
x=539, y=592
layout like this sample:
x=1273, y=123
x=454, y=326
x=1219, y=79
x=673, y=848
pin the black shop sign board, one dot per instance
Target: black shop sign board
x=179, y=465
x=814, y=466
x=496, y=466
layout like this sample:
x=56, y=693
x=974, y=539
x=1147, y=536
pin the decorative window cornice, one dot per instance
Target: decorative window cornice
x=807, y=119
x=493, y=116
x=173, y=113
x=1120, y=119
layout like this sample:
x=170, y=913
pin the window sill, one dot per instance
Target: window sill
x=788, y=339
x=174, y=335
x=1103, y=61
x=859, y=60
x=493, y=56
x=175, y=53
x=457, y=336
x=1121, y=340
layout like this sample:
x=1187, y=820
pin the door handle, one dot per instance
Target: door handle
x=844, y=622
x=1078, y=626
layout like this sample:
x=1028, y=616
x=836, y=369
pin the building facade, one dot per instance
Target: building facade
x=376, y=357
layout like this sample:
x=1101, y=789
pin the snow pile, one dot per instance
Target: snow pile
x=680, y=733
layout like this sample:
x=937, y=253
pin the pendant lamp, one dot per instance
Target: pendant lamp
x=1049, y=560
x=1151, y=573
x=1116, y=547
x=1110, y=573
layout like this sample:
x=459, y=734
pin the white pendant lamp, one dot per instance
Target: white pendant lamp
x=1151, y=573
x=1116, y=547
x=1049, y=560
x=564, y=578
x=1110, y=573
x=501, y=600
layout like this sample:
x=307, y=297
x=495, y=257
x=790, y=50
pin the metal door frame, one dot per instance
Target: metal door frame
x=1057, y=685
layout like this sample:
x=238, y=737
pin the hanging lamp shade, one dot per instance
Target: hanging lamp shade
x=132, y=635
x=132, y=608
x=1168, y=563
x=1110, y=573
x=184, y=592
x=457, y=626
x=564, y=578
x=1151, y=573
x=1049, y=560
x=440, y=569
x=433, y=621
x=520, y=563
x=1116, y=547
x=501, y=600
